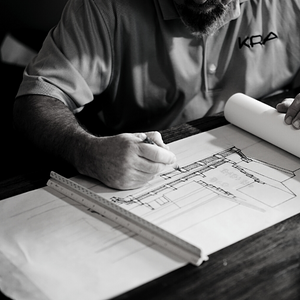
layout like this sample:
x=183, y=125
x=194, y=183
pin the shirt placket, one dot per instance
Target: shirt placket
x=211, y=81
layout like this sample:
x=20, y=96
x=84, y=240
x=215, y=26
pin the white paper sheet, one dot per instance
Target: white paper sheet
x=60, y=251
x=234, y=185
x=263, y=121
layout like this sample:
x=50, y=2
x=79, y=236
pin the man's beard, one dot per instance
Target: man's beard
x=199, y=21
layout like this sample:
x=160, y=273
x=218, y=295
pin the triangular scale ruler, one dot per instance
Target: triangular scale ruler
x=125, y=218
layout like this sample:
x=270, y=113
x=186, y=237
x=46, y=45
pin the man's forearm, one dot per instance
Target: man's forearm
x=51, y=126
x=122, y=161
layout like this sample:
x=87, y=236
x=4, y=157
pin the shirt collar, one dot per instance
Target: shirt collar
x=169, y=11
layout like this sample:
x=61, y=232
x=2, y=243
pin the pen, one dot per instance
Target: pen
x=147, y=140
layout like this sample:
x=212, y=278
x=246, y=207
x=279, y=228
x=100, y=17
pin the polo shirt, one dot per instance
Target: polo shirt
x=140, y=68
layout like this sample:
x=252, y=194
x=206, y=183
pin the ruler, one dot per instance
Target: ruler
x=121, y=216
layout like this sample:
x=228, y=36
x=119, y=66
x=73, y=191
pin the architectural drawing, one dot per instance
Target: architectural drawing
x=228, y=174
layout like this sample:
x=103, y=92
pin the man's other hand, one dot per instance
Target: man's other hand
x=291, y=107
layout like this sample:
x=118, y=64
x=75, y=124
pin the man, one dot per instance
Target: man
x=133, y=66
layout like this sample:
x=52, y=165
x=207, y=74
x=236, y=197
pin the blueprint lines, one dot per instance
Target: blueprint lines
x=228, y=174
x=230, y=185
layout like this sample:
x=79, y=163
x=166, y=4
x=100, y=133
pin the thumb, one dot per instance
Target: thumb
x=283, y=106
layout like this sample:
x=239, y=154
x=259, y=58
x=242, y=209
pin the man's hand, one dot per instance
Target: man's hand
x=124, y=161
x=291, y=107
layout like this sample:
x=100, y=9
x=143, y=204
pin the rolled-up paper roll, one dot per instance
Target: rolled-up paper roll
x=263, y=121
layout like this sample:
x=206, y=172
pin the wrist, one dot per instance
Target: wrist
x=83, y=154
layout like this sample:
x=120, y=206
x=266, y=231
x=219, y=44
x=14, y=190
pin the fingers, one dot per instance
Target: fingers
x=154, y=136
x=149, y=167
x=157, y=138
x=283, y=106
x=292, y=109
x=124, y=161
x=133, y=179
x=156, y=154
x=141, y=161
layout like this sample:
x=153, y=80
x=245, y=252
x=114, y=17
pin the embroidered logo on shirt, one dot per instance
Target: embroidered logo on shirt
x=256, y=40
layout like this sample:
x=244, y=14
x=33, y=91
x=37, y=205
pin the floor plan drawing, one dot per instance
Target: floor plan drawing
x=228, y=174
x=224, y=175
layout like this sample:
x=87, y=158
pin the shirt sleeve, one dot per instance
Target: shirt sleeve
x=75, y=61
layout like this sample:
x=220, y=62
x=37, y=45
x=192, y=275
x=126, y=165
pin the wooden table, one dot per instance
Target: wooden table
x=263, y=266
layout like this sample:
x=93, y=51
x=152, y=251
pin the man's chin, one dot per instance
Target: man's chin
x=203, y=31
x=204, y=23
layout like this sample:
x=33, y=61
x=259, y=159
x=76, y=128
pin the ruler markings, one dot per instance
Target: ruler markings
x=127, y=219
